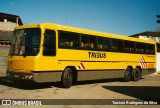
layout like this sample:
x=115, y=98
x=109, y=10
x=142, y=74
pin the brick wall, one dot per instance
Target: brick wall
x=3, y=59
x=7, y=26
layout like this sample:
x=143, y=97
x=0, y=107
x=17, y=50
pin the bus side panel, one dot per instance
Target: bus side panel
x=148, y=71
x=99, y=74
x=47, y=77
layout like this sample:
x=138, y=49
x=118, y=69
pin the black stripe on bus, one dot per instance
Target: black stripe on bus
x=91, y=70
x=101, y=61
x=79, y=70
x=47, y=71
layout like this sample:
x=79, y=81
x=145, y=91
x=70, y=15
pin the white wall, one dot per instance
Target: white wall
x=158, y=63
x=157, y=39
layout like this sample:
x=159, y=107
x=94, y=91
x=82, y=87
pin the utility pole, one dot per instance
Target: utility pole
x=158, y=21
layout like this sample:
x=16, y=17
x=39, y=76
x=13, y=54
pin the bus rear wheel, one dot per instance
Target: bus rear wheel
x=127, y=75
x=136, y=76
x=67, y=78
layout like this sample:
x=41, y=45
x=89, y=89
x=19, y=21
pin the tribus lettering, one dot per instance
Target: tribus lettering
x=96, y=55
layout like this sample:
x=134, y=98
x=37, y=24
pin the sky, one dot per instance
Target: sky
x=124, y=17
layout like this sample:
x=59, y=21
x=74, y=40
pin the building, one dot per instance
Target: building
x=7, y=24
x=149, y=35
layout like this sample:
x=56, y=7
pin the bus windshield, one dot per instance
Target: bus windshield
x=26, y=42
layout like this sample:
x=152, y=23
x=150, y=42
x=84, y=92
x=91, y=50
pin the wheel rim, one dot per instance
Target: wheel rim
x=70, y=78
x=127, y=75
x=137, y=74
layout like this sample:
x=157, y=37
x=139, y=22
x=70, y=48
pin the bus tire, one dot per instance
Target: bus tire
x=127, y=75
x=67, y=78
x=136, y=75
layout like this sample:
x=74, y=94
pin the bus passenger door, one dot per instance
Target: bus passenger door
x=49, y=51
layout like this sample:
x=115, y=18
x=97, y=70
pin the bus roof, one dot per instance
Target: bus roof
x=84, y=31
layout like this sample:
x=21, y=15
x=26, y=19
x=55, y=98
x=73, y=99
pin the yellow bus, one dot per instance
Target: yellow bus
x=51, y=52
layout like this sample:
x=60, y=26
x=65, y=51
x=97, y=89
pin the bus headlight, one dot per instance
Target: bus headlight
x=28, y=77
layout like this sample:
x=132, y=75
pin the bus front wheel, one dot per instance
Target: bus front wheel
x=67, y=78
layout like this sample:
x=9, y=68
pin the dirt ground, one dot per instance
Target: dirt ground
x=146, y=88
x=89, y=93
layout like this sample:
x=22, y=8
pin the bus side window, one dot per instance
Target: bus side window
x=74, y=41
x=64, y=39
x=140, y=48
x=104, y=43
x=49, y=48
x=129, y=46
x=68, y=39
x=117, y=45
x=158, y=47
x=88, y=42
x=150, y=49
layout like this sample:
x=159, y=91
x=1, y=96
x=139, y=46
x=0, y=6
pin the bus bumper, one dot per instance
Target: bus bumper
x=19, y=76
x=38, y=77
